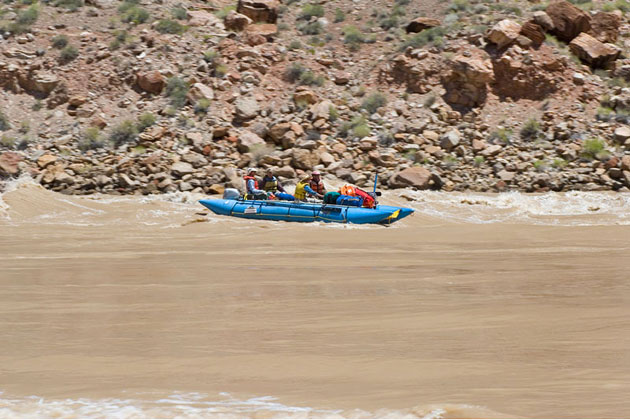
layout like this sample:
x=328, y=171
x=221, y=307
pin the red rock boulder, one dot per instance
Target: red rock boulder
x=152, y=82
x=259, y=10
x=422, y=23
x=568, y=20
x=594, y=52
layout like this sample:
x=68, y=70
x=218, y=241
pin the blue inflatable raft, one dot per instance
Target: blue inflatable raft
x=305, y=212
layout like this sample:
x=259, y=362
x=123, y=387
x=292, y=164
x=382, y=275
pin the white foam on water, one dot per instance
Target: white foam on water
x=575, y=208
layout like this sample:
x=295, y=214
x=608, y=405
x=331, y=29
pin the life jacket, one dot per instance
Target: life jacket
x=270, y=184
x=247, y=178
x=368, y=200
x=318, y=187
x=347, y=190
x=300, y=192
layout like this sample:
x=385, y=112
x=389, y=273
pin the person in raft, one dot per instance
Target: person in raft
x=303, y=189
x=251, y=186
x=317, y=184
x=270, y=184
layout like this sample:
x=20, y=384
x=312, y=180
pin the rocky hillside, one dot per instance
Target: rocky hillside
x=146, y=97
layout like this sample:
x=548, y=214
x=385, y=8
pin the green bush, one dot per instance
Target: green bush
x=361, y=131
x=68, y=54
x=4, y=122
x=120, y=38
x=123, y=133
x=295, y=45
x=479, y=160
x=179, y=12
x=504, y=135
x=333, y=114
x=135, y=15
x=340, y=16
x=388, y=22
x=202, y=106
x=373, y=102
x=177, y=90
x=312, y=28
x=559, y=163
x=293, y=73
x=311, y=10
x=221, y=14
x=353, y=37
x=167, y=26
x=594, y=148
x=59, y=41
x=531, y=129
x=459, y=5
x=211, y=57
x=357, y=126
x=431, y=36
x=71, y=5
x=29, y=16
x=220, y=70
x=540, y=165
x=38, y=105
x=145, y=121
x=91, y=139
x=311, y=79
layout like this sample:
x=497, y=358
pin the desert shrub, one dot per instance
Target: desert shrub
x=311, y=79
x=59, y=41
x=211, y=57
x=71, y=5
x=311, y=10
x=295, y=45
x=68, y=54
x=431, y=36
x=333, y=114
x=123, y=133
x=28, y=16
x=530, y=129
x=386, y=138
x=340, y=16
x=388, y=22
x=605, y=113
x=282, y=26
x=167, y=26
x=4, y=122
x=373, y=102
x=179, y=12
x=478, y=161
x=222, y=13
x=8, y=141
x=91, y=139
x=312, y=28
x=293, y=73
x=120, y=38
x=361, y=130
x=38, y=105
x=176, y=90
x=25, y=127
x=135, y=15
x=357, y=126
x=540, y=165
x=202, y=106
x=430, y=100
x=459, y=5
x=594, y=148
x=559, y=163
x=353, y=37
x=503, y=135
x=220, y=70
x=145, y=121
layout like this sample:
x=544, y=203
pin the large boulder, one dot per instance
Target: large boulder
x=534, y=32
x=152, y=81
x=594, y=52
x=568, y=20
x=304, y=159
x=200, y=91
x=467, y=82
x=180, y=169
x=259, y=10
x=9, y=163
x=416, y=177
x=246, y=108
x=605, y=26
x=504, y=33
x=42, y=83
x=236, y=22
x=248, y=141
x=422, y=23
x=543, y=20
x=321, y=110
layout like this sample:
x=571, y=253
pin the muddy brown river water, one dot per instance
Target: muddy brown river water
x=477, y=306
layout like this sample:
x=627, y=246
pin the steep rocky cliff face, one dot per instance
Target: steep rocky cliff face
x=148, y=97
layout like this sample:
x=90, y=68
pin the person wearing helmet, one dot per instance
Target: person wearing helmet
x=317, y=184
x=251, y=186
x=303, y=189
